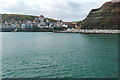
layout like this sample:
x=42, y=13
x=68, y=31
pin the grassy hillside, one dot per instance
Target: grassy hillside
x=8, y=17
x=17, y=17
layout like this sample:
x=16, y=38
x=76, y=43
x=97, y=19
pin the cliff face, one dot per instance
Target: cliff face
x=105, y=17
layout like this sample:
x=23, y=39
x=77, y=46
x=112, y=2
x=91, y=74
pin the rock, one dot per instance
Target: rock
x=105, y=17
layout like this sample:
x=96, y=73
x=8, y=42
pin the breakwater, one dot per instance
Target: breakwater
x=85, y=31
x=88, y=31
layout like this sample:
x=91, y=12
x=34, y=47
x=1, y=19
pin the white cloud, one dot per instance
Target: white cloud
x=68, y=10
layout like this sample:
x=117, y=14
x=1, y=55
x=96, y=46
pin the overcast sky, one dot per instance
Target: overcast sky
x=66, y=10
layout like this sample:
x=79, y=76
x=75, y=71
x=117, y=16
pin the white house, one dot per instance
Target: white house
x=13, y=25
x=47, y=22
x=40, y=26
x=22, y=26
x=65, y=25
x=51, y=25
x=40, y=21
x=28, y=24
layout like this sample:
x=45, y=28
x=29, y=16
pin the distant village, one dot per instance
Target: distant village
x=40, y=22
x=101, y=20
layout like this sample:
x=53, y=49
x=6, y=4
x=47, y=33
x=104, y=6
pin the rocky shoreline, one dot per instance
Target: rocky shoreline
x=87, y=31
x=84, y=31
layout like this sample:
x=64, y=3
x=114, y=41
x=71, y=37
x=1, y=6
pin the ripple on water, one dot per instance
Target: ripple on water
x=59, y=55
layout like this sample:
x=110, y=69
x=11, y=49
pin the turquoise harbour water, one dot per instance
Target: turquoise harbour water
x=59, y=55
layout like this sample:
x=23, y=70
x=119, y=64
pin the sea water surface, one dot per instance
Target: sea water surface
x=59, y=55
